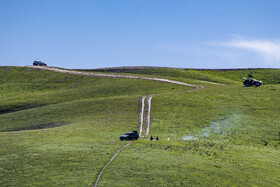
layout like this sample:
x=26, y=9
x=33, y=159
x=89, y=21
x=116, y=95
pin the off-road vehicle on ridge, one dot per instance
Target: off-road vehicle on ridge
x=39, y=63
x=251, y=82
x=130, y=136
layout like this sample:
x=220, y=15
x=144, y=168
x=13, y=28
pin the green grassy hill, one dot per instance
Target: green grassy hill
x=232, y=132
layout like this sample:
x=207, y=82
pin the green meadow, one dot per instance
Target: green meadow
x=60, y=129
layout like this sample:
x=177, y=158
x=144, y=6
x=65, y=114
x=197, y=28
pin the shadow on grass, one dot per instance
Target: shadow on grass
x=39, y=126
x=19, y=107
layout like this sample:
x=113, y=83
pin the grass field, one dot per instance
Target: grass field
x=232, y=132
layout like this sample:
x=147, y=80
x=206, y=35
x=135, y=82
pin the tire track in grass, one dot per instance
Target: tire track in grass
x=147, y=111
x=112, y=75
x=141, y=116
x=148, y=100
x=101, y=172
x=148, y=115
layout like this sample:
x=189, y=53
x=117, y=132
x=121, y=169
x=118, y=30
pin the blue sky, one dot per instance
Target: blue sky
x=167, y=33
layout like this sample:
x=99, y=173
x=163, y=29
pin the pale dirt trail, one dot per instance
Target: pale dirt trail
x=148, y=115
x=141, y=116
x=141, y=119
x=147, y=111
x=113, y=76
x=142, y=112
x=101, y=172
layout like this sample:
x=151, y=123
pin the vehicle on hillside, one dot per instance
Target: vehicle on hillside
x=39, y=63
x=251, y=82
x=130, y=136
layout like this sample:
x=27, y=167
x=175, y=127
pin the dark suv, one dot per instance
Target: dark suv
x=130, y=136
x=39, y=63
x=251, y=82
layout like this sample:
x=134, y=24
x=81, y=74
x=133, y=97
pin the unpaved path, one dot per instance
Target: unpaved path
x=142, y=112
x=141, y=116
x=101, y=172
x=148, y=114
x=147, y=111
x=113, y=76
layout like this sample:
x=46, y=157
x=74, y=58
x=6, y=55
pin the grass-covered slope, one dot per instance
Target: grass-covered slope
x=232, y=140
x=91, y=113
x=231, y=132
x=24, y=88
x=230, y=76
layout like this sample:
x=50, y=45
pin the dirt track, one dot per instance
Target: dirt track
x=141, y=119
x=101, y=172
x=141, y=115
x=112, y=75
x=143, y=108
x=145, y=112
x=148, y=114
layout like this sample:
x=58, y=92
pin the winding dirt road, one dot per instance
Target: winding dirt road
x=112, y=75
x=144, y=99
x=147, y=112
x=101, y=172
x=141, y=115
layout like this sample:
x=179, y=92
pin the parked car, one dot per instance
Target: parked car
x=251, y=82
x=39, y=63
x=130, y=136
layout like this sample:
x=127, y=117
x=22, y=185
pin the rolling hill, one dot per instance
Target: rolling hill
x=60, y=129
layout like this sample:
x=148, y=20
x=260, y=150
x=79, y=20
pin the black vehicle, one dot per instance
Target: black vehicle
x=39, y=63
x=251, y=82
x=130, y=136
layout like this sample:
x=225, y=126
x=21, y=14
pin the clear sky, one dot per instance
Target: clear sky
x=167, y=33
